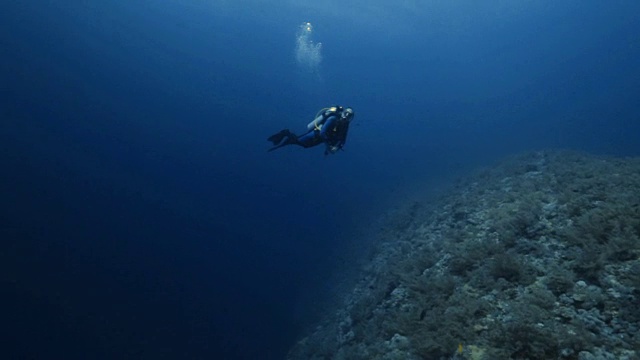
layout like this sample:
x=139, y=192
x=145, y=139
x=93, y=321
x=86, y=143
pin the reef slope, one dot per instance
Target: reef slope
x=535, y=258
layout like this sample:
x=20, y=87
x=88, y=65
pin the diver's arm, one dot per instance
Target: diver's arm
x=337, y=144
x=343, y=139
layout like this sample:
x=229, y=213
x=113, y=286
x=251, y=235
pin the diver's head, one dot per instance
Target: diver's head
x=347, y=114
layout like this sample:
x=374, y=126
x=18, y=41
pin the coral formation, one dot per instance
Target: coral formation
x=537, y=258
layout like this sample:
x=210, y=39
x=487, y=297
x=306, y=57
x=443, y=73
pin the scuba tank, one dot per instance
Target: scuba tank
x=318, y=121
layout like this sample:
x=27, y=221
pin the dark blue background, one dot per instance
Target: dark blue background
x=141, y=215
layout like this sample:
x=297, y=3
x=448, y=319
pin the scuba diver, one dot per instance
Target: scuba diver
x=330, y=126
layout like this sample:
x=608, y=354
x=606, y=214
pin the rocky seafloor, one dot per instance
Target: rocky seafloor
x=535, y=258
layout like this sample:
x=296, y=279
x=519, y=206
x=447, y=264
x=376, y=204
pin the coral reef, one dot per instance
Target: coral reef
x=536, y=258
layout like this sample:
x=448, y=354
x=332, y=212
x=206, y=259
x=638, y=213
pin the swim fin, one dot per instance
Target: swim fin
x=291, y=139
x=277, y=138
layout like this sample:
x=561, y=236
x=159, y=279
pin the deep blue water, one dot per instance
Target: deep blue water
x=141, y=214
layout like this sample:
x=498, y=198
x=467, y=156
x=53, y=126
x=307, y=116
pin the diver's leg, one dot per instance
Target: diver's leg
x=309, y=139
